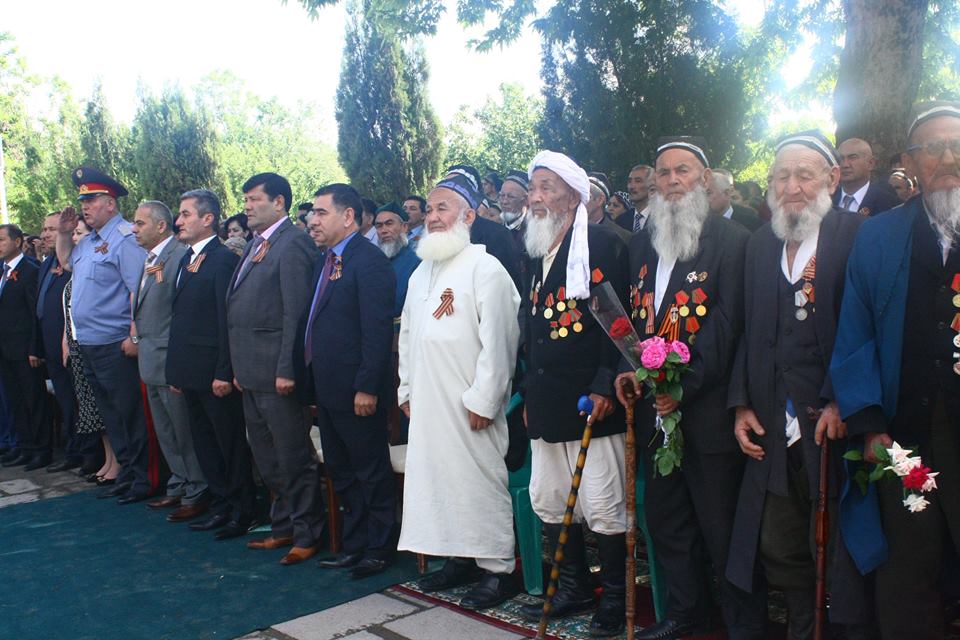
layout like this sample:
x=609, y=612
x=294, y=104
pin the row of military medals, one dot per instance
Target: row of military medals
x=681, y=308
x=955, y=325
x=562, y=314
x=805, y=295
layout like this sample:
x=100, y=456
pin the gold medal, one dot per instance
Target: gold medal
x=701, y=310
x=956, y=300
x=577, y=327
x=801, y=314
x=563, y=332
x=548, y=313
x=561, y=306
x=956, y=341
x=956, y=368
x=643, y=314
x=684, y=311
x=571, y=304
x=692, y=339
x=554, y=335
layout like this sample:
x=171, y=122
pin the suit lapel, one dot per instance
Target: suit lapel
x=272, y=240
x=344, y=261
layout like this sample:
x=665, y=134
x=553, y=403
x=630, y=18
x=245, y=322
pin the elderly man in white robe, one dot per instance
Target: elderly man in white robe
x=458, y=344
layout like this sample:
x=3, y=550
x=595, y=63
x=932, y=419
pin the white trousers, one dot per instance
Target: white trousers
x=497, y=565
x=600, y=502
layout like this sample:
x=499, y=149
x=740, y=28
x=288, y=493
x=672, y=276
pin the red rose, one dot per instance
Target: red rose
x=620, y=328
x=916, y=478
x=660, y=376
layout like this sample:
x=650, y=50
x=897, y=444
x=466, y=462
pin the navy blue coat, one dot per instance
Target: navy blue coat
x=352, y=328
x=49, y=342
x=198, y=352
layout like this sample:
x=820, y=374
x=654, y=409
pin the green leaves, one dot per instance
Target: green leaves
x=669, y=456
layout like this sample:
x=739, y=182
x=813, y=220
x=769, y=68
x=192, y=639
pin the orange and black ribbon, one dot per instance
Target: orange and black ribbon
x=337, y=268
x=157, y=271
x=261, y=251
x=101, y=249
x=670, y=327
x=446, y=304
x=195, y=265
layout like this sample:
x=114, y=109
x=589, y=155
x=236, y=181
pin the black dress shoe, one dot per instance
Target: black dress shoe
x=342, y=561
x=64, y=465
x=668, y=629
x=493, y=589
x=38, y=462
x=115, y=492
x=91, y=467
x=456, y=572
x=215, y=521
x=368, y=567
x=233, y=529
x=131, y=497
x=105, y=482
x=18, y=461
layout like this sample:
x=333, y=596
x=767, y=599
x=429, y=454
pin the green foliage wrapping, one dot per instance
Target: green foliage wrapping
x=389, y=137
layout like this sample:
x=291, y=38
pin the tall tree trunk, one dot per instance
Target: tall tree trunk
x=879, y=73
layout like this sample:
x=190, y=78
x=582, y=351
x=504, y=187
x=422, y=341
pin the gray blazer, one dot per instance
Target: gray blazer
x=152, y=310
x=265, y=305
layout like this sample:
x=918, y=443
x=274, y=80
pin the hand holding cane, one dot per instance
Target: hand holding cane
x=631, y=498
x=585, y=406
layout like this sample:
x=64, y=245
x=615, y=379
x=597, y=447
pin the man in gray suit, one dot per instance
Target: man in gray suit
x=186, y=488
x=268, y=294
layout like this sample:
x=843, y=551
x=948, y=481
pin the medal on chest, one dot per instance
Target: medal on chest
x=955, y=325
x=688, y=308
x=803, y=299
x=562, y=314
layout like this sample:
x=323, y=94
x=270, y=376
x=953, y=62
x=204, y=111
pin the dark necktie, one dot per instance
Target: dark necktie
x=249, y=259
x=847, y=201
x=321, y=288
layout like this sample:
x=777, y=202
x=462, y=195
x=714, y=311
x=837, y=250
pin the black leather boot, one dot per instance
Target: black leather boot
x=610, y=618
x=799, y=613
x=574, y=592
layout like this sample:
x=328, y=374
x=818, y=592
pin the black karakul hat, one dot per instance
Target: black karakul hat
x=694, y=144
x=463, y=180
x=518, y=177
x=93, y=182
x=812, y=139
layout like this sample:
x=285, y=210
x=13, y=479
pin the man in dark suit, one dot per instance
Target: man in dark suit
x=198, y=365
x=152, y=307
x=720, y=196
x=597, y=210
x=858, y=191
x=268, y=295
x=20, y=371
x=781, y=391
x=569, y=355
x=348, y=340
x=687, y=272
x=80, y=449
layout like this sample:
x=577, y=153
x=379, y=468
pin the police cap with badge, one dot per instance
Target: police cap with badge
x=92, y=183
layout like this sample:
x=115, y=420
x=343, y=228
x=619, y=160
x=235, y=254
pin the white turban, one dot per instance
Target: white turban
x=578, y=260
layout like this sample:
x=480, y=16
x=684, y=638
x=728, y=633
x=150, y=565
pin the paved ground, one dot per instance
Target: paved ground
x=383, y=616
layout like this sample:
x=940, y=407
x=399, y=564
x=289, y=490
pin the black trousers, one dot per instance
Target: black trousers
x=220, y=442
x=79, y=446
x=115, y=380
x=690, y=515
x=28, y=404
x=908, y=585
x=356, y=453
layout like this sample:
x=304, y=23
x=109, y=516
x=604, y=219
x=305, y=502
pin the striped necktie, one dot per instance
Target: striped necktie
x=847, y=201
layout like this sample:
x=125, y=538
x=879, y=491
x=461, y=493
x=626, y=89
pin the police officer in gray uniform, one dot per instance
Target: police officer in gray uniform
x=107, y=266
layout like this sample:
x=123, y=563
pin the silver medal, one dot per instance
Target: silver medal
x=801, y=314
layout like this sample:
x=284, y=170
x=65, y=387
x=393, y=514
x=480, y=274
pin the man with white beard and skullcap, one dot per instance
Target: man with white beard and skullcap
x=896, y=377
x=458, y=347
x=568, y=356
x=781, y=392
x=686, y=270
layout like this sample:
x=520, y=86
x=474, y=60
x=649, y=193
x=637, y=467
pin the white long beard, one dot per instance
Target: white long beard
x=675, y=226
x=392, y=248
x=541, y=233
x=443, y=245
x=797, y=227
x=944, y=208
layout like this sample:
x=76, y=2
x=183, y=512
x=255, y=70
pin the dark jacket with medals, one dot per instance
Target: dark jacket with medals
x=704, y=298
x=568, y=353
x=770, y=363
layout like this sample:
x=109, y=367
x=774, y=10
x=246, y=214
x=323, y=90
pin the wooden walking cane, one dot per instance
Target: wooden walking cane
x=585, y=405
x=823, y=534
x=631, y=497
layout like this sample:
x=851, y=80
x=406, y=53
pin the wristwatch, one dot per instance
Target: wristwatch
x=135, y=339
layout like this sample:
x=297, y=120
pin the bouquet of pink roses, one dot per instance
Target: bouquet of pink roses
x=659, y=364
x=897, y=462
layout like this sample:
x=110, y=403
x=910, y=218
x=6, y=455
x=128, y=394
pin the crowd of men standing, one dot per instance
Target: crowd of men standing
x=811, y=316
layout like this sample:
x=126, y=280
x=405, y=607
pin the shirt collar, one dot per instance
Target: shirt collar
x=269, y=230
x=157, y=250
x=13, y=263
x=198, y=247
x=340, y=246
x=106, y=229
x=728, y=214
x=858, y=195
x=805, y=251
